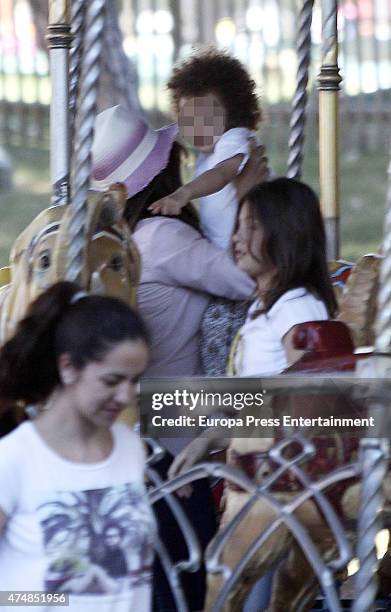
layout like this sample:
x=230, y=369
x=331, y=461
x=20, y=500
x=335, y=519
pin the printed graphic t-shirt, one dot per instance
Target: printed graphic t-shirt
x=77, y=528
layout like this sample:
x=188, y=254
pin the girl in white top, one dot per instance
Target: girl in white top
x=74, y=516
x=280, y=243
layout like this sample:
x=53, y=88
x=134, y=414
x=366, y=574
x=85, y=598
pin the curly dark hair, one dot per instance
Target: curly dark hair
x=211, y=70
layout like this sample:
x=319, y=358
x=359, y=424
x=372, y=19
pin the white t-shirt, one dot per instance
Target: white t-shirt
x=76, y=528
x=259, y=348
x=218, y=210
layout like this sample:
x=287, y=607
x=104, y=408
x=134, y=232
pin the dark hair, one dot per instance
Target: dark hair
x=294, y=238
x=214, y=71
x=167, y=181
x=53, y=325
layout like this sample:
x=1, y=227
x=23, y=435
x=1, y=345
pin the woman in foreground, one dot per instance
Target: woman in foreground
x=74, y=517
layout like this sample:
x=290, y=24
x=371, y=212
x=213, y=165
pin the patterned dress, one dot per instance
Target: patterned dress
x=221, y=322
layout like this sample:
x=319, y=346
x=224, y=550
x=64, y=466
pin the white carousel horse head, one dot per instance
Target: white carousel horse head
x=111, y=263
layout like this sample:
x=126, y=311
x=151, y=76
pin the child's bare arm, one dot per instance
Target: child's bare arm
x=213, y=180
x=207, y=183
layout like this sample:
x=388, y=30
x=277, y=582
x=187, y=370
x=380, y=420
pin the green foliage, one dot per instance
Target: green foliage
x=363, y=187
x=30, y=195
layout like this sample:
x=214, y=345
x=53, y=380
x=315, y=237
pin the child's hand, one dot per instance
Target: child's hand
x=170, y=205
x=255, y=171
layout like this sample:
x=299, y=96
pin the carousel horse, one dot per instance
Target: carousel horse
x=111, y=265
x=329, y=347
x=38, y=258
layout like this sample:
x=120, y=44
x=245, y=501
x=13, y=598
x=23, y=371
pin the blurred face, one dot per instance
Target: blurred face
x=113, y=537
x=248, y=244
x=201, y=121
x=102, y=389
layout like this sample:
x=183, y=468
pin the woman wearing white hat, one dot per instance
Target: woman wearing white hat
x=180, y=271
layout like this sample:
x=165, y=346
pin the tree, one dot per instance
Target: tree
x=40, y=15
x=108, y=94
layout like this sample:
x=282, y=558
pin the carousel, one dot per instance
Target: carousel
x=83, y=237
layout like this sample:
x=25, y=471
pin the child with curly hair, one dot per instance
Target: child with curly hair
x=218, y=113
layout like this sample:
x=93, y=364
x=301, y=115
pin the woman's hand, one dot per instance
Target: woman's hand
x=196, y=451
x=189, y=456
x=186, y=459
x=255, y=171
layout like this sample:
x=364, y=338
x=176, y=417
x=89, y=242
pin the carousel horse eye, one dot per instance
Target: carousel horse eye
x=116, y=263
x=44, y=260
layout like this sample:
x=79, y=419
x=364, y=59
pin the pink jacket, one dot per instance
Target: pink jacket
x=180, y=271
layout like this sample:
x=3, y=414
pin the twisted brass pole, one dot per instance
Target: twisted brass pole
x=59, y=42
x=328, y=85
x=92, y=51
x=297, y=123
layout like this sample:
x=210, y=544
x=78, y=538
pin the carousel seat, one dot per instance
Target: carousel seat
x=332, y=348
x=328, y=347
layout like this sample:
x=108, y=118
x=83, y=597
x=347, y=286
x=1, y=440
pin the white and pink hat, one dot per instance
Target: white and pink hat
x=128, y=151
